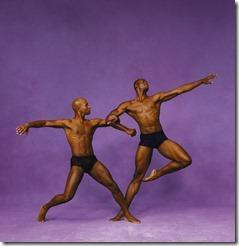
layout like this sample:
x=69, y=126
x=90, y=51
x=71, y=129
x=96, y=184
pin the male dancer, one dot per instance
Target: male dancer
x=79, y=133
x=145, y=110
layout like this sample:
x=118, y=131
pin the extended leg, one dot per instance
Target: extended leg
x=74, y=177
x=142, y=161
x=101, y=174
x=173, y=151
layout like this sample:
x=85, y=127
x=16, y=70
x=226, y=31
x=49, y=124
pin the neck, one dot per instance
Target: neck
x=79, y=116
x=141, y=94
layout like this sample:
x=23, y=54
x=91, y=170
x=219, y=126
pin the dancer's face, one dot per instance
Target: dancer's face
x=85, y=107
x=142, y=85
x=80, y=105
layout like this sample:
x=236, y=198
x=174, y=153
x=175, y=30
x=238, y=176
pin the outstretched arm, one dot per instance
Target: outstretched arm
x=117, y=125
x=113, y=116
x=23, y=129
x=165, y=96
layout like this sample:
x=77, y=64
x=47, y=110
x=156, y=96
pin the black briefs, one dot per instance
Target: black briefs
x=85, y=162
x=152, y=140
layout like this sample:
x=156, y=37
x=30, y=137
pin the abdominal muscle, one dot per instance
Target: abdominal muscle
x=147, y=117
x=149, y=124
x=80, y=145
x=145, y=129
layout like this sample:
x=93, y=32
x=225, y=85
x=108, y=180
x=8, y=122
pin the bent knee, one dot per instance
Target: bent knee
x=186, y=161
x=67, y=197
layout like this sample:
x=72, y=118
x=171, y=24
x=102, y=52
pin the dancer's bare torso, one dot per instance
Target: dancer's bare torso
x=80, y=135
x=145, y=112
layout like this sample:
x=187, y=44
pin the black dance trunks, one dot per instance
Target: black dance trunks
x=85, y=162
x=152, y=140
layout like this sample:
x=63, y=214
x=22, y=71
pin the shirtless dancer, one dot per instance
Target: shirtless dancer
x=79, y=133
x=145, y=110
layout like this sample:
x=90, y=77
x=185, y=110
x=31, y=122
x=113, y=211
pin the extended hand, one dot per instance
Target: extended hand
x=209, y=78
x=131, y=132
x=23, y=129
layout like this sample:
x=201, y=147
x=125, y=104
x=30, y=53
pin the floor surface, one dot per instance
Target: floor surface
x=78, y=224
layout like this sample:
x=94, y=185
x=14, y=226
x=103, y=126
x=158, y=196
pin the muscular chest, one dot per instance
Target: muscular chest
x=145, y=107
x=80, y=131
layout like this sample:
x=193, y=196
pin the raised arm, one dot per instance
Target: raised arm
x=117, y=125
x=23, y=129
x=113, y=116
x=165, y=96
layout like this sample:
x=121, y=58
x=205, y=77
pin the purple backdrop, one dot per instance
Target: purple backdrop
x=53, y=51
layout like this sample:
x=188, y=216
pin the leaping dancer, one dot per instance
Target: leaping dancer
x=145, y=110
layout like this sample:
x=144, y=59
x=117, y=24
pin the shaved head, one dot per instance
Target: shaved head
x=77, y=103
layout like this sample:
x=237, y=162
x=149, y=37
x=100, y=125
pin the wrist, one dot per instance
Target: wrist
x=202, y=81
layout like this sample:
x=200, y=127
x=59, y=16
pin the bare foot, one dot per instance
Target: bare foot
x=42, y=214
x=153, y=175
x=118, y=217
x=132, y=219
